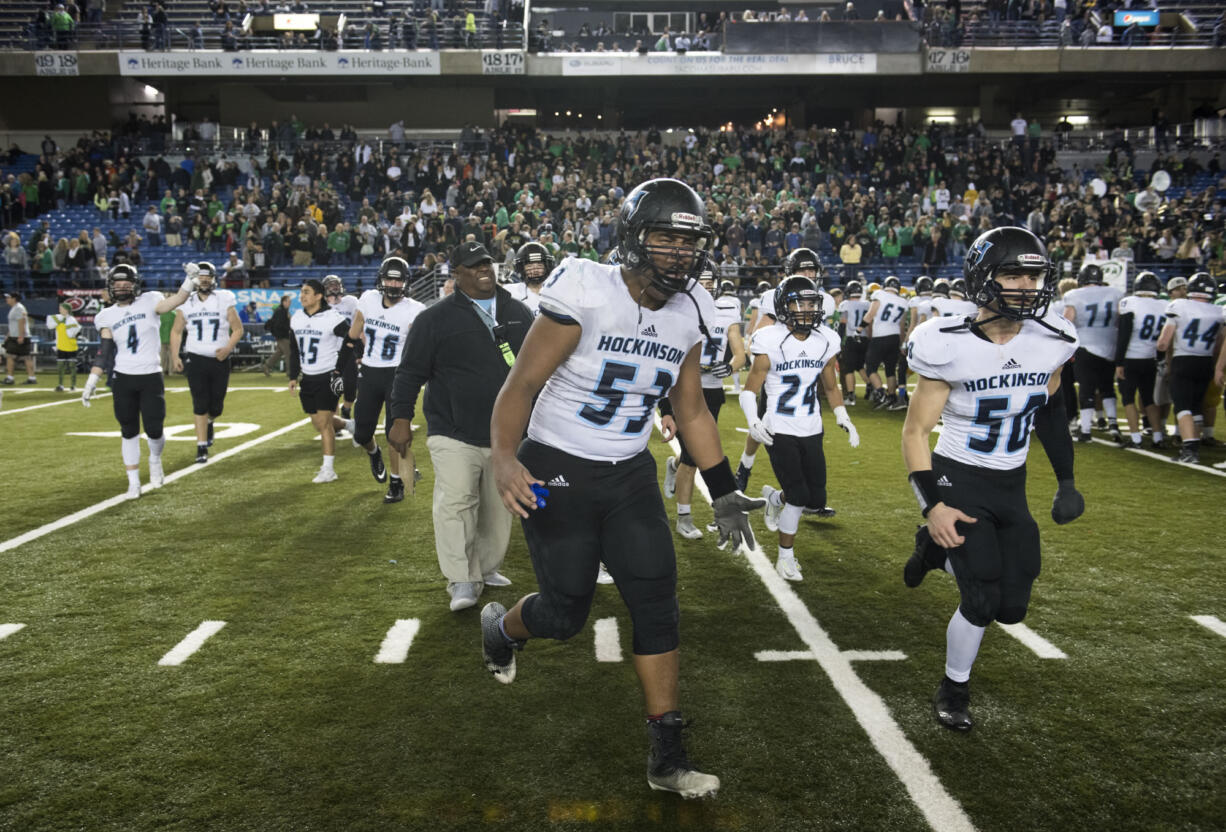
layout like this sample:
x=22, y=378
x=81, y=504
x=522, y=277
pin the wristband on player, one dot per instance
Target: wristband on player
x=924, y=484
x=719, y=479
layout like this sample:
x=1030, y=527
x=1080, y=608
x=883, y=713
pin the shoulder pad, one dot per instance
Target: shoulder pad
x=931, y=346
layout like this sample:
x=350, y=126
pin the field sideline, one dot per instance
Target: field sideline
x=341, y=693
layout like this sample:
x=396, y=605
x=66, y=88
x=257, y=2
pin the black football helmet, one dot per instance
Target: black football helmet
x=941, y=287
x=762, y=287
x=1147, y=283
x=1091, y=274
x=726, y=287
x=1014, y=250
x=923, y=285
x=334, y=289
x=1201, y=285
x=125, y=272
x=798, y=289
x=393, y=268
x=805, y=262
x=957, y=287
x=664, y=205
x=892, y=282
x=854, y=289
x=206, y=277
x=532, y=254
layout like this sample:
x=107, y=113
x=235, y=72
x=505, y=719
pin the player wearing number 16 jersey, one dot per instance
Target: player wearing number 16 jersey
x=381, y=326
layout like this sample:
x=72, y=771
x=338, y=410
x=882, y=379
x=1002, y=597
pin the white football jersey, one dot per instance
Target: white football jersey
x=526, y=296
x=347, y=305
x=208, y=321
x=852, y=313
x=795, y=373
x=1196, y=325
x=727, y=315
x=922, y=304
x=137, y=330
x=890, y=311
x=385, y=329
x=318, y=343
x=598, y=404
x=1148, y=318
x=952, y=307
x=1094, y=308
x=995, y=389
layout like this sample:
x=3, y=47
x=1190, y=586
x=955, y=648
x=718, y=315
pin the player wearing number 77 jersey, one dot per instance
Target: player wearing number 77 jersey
x=381, y=326
x=131, y=349
x=989, y=380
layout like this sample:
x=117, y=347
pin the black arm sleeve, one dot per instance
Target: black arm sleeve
x=295, y=363
x=342, y=329
x=1052, y=430
x=105, y=359
x=1122, y=339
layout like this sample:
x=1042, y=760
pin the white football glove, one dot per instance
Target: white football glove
x=91, y=384
x=844, y=421
x=191, y=269
x=761, y=433
x=189, y=283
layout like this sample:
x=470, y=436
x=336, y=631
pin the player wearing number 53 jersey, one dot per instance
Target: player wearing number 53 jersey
x=609, y=342
x=132, y=350
x=989, y=381
x=381, y=325
x=213, y=329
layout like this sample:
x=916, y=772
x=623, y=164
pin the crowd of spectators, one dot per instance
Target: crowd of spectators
x=909, y=199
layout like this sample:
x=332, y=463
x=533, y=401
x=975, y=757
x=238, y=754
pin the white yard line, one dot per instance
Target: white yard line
x=194, y=641
x=784, y=656
x=1204, y=469
x=396, y=644
x=608, y=648
x=76, y=399
x=874, y=655
x=937, y=806
x=7, y=630
x=1040, y=646
x=77, y=516
x=1211, y=621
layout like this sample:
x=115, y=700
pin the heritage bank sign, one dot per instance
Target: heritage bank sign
x=251, y=64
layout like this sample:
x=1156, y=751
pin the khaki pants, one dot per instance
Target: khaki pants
x=471, y=525
x=281, y=350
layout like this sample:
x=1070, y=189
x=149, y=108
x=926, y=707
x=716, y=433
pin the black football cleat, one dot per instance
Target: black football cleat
x=209, y=438
x=395, y=491
x=926, y=557
x=377, y=469
x=1209, y=442
x=742, y=477
x=1084, y=436
x=952, y=704
x=1101, y=424
x=202, y=454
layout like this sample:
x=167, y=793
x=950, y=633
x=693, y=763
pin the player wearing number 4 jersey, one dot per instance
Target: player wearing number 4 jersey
x=381, y=323
x=131, y=350
x=213, y=329
x=989, y=380
x=1193, y=331
x=1093, y=307
x=609, y=342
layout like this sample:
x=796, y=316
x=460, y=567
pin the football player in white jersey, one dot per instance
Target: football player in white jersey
x=130, y=330
x=852, y=311
x=609, y=342
x=882, y=323
x=724, y=337
x=319, y=333
x=381, y=326
x=790, y=358
x=213, y=329
x=949, y=299
x=989, y=380
x=920, y=306
x=1092, y=306
x=533, y=263
x=334, y=290
x=1142, y=316
x=1193, y=332
x=727, y=288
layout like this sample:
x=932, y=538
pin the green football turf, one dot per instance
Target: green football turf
x=283, y=721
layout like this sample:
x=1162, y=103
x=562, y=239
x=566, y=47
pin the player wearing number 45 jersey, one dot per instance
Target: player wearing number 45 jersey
x=213, y=329
x=381, y=323
x=131, y=349
x=989, y=380
x=609, y=342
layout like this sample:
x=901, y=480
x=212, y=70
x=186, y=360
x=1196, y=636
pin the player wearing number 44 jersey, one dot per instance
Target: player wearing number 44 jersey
x=381, y=323
x=213, y=329
x=989, y=380
x=131, y=350
x=609, y=342
x=1193, y=332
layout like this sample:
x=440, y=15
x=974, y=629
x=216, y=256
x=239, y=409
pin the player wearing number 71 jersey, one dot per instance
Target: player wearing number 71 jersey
x=131, y=349
x=381, y=326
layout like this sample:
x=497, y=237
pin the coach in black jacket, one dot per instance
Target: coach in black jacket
x=463, y=347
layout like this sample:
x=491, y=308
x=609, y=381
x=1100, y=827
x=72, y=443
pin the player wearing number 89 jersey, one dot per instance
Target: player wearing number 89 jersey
x=381, y=325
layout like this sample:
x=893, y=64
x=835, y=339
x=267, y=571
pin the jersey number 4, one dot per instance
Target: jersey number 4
x=133, y=340
x=612, y=374
x=987, y=412
x=784, y=405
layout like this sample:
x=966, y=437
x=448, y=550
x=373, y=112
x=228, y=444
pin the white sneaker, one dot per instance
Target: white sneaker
x=789, y=569
x=325, y=476
x=686, y=527
x=463, y=594
x=603, y=576
x=771, y=512
x=156, y=476
x=495, y=578
x=133, y=492
x=670, y=478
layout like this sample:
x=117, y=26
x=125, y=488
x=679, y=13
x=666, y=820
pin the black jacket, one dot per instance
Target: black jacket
x=278, y=324
x=451, y=348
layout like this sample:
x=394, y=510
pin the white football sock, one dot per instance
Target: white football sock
x=1109, y=406
x=789, y=518
x=130, y=448
x=134, y=478
x=1087, y=419
x=787, y=552
x=683, y=508
x=962, y=640
x=1207, y=432
x=747, y=459
x=156, y=446
x=328, y=460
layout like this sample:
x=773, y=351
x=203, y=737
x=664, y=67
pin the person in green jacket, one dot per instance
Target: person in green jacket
x=338, y=244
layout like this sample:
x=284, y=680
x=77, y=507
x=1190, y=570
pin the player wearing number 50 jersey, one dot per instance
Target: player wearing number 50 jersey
x=213, y=329
x=989, y=380
x=609, y=342
x=381, y=326
x=1093, y=306
x=791, y=358
x=131, y=350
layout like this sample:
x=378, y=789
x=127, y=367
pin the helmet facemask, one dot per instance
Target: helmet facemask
x=798, y=305
x=1018, y=304
x=683, y=263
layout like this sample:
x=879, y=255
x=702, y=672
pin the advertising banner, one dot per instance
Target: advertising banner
x=55, y=63
x=255, y=64
x=714, y=63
